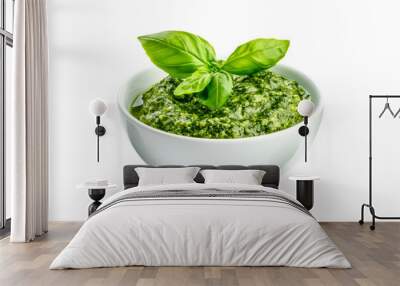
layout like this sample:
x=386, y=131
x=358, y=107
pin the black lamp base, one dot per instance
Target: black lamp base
x=100, y=130
x=303, y=130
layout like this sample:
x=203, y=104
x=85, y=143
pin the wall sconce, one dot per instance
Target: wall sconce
x=305, y=109
x=97, y=107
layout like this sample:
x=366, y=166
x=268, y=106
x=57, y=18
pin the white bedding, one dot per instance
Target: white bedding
x=200, y=231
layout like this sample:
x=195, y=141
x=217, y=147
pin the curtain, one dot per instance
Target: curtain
x=28, y=120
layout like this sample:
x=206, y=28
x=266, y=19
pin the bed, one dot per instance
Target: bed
x=198, y=224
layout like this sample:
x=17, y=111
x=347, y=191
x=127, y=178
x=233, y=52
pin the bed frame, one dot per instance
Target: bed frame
x=270, y=179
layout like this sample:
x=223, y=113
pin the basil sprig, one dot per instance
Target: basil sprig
x=195, y=83
x=178, y=53
x=256, y=55
x=191, y=58
x=218, y=90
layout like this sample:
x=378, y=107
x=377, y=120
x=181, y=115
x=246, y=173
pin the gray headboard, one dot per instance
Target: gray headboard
x=271, y=177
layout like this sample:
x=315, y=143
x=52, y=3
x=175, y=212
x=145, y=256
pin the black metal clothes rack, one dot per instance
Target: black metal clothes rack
x=370, y=205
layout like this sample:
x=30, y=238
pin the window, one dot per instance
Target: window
x=6, y=44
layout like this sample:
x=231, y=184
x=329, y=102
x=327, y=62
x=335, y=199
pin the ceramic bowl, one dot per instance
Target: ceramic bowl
x=159, y=147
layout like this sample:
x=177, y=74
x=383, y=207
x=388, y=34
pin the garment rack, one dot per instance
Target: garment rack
x=370, y=205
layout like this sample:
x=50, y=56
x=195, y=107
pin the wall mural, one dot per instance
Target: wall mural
x=242, y=110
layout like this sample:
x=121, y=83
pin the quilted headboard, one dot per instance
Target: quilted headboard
x=271, y=177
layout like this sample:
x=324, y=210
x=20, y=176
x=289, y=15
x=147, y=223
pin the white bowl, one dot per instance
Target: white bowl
x=158, y=147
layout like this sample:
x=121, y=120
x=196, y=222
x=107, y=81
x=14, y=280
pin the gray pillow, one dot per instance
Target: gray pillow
x=247, y=177
x=165, y=176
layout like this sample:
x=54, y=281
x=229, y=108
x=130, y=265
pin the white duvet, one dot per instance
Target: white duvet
x=199, y=231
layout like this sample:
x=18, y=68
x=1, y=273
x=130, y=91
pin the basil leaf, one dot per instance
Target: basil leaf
x=194, y=83
x=178, y=53
x=218, y=91
x=255, y=55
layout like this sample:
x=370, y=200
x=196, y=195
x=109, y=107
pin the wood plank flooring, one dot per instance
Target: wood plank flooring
x=375, y=257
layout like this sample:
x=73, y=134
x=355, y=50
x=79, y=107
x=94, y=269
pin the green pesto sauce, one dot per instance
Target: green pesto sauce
x=260, y=104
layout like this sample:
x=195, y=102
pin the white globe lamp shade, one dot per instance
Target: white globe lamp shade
x=97, y=107
x=305, y=107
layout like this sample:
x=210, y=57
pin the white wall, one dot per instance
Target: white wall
x=349, y=48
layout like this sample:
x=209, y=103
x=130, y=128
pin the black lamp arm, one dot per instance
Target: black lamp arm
x=100, y=131
x=303, y=131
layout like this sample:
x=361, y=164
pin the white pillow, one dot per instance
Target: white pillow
x=165, y=176
x=248, y=177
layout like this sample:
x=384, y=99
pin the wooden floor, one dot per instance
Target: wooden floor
x=375, y=257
